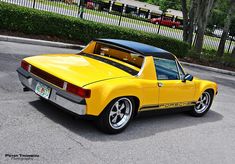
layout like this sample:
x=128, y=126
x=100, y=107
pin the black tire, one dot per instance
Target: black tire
x=104, y=122
x=195, y=111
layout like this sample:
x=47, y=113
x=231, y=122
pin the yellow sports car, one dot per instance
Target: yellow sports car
x=114, y=80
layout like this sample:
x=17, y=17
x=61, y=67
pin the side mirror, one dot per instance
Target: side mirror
x=187, y=77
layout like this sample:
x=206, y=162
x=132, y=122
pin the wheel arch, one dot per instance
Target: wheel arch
x=105, y=94
x=135, y=100
x=137, y=104
x=211, y=89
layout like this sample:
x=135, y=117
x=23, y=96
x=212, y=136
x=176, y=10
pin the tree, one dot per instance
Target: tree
x=185, y=20
x=192, y=20
x=165, y=4
x=232, y=26
x=169, y=4
x=218, y=14
x=81, y=8
x=233, y=52
x=203, y=12
x=225, y=33
x=232, y=33
x=188, y=20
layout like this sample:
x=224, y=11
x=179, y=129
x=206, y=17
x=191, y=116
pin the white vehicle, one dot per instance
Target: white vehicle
x=218, y=32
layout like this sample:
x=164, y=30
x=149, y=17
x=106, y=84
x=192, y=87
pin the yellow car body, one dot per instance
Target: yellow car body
x=106, y=82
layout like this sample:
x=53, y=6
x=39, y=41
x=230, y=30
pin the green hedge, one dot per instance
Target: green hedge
x=31, y=21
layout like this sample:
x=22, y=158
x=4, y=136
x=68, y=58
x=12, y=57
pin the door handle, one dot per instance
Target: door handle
x=160, y=84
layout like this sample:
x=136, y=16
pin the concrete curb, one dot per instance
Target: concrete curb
x=217, y=70
x=39, y=42
x=75, y=46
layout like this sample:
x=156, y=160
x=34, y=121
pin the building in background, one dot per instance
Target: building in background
x=137, y=8
x=141, y=9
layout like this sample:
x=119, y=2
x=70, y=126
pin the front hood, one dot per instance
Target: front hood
x=76, y=69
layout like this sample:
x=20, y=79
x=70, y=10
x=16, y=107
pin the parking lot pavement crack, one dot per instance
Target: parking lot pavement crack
x=87, y=149
x=77, y=142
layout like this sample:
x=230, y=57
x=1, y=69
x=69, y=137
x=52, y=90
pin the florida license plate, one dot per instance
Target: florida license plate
x=42, y=90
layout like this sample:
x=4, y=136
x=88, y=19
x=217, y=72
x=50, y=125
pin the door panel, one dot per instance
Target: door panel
x=173, y=91
x=171, y=87
x=150, y=92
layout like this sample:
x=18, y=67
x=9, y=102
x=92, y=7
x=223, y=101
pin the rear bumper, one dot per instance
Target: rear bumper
x=58, y=96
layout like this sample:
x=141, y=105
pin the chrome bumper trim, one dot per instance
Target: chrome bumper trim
x=58, y=96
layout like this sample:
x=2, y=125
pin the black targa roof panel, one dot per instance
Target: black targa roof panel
x=143, y=49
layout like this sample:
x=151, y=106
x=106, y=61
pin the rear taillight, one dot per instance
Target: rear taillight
x=85, y=93
x=26, y=66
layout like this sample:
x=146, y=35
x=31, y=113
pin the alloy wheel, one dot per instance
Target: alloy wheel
x=120, y=113
x=203, y=103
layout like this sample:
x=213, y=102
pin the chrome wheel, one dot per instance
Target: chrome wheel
x=120, y=113
x=203, y=103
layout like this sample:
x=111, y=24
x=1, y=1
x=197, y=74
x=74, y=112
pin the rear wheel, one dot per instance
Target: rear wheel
x=117, y=115
x=203, y=104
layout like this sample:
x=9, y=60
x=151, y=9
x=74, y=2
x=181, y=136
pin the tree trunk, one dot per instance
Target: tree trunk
x=185, y=20
x=192, y=13
x=203, y=12
x=189, y=20
x=233, y=52
x=224, y=36
x=199, y=38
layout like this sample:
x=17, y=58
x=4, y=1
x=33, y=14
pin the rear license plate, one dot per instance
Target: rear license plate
x=42, y=90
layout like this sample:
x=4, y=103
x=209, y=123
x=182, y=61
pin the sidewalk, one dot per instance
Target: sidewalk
x=75, y=46
x=39, y=42
x=213, y=69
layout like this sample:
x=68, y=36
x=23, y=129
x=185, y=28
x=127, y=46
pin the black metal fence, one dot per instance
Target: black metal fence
x=120, y=15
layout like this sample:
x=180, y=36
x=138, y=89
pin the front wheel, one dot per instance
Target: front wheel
x=116, y=116
x=203, y=105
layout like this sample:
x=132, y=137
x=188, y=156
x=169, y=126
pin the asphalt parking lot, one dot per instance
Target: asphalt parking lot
x=31, y=126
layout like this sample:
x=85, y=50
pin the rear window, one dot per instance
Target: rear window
x=117, y=53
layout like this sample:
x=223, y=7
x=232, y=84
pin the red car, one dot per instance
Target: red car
x=165, y=22
x=90, y=4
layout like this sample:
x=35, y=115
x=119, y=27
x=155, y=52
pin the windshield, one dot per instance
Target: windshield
x=115, y=52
